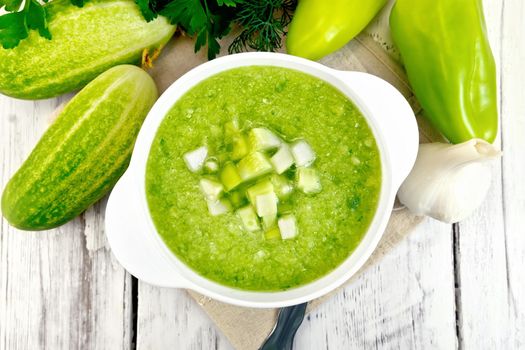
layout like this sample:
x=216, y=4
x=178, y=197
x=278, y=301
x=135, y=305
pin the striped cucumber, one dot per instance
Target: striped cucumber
x=83, y=153
x=86, y=42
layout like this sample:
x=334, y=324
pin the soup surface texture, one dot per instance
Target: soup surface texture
x=294, y=105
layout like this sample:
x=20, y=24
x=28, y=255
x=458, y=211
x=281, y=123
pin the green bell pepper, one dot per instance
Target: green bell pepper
x=320, y=27
x=449, y=63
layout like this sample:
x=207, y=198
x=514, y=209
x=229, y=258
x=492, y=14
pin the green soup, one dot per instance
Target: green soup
x=295, y=105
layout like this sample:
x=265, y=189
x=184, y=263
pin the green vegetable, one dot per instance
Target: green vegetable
x=262, y=139
x=262, y=23
x=450, y=65
x=266, y=204
x=211, y=189
x=230, y=177
x=86, y=42
x=15, y=26
x=308, y=180
x=249, y=218
x=219, y=206
x=254, y=165
x=83, y=154
x=322, y=27
x=272, y=233
x=260, y=188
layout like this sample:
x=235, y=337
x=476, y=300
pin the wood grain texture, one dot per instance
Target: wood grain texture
x=171, y=319
x=490, y=246
x=59, y=289
x=404, y=302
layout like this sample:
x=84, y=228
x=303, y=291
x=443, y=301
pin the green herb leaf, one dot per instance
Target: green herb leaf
x=188, y=13
x=147, y=12
x=37, y=19
x=15, y=26
x=229, y=3
x=263, y=24
x=11, y=5
x=12, y=29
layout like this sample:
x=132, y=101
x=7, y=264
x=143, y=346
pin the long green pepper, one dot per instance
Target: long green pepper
x=450, y=66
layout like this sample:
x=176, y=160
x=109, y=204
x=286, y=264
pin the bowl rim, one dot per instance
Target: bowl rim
x=302, y=293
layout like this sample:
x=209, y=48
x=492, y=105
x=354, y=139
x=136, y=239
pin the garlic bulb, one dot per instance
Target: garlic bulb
x=448, y=182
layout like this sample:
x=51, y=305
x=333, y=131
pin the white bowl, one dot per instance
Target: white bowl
x=138, y=247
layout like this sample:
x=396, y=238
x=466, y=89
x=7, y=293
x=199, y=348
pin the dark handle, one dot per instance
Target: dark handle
x=288, y=321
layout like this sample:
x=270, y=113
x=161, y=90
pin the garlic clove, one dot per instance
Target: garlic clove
x=448, y=182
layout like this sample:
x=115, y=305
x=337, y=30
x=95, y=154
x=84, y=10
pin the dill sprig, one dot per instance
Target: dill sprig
x=263, y=24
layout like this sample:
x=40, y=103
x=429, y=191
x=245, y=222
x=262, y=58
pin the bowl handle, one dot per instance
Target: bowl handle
x=127, y=233
x=394, y=115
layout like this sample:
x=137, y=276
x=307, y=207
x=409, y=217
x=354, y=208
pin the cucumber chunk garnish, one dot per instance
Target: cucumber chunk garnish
x=211, y=189
x=249, y=218
x=218, y=207
x=272, y=233
x=242, y=175
x=303, y=153
x=237, y=198
x=262, y=187
x=308, y=180
x=262, y=139
x=240, y=147
x=282, y=160
x=266, y=204
x=230, y=177
x=269, y=221
x=282, y=186
x=195, y=159
x=211, y=165
x=254, y=165
x=287, y=226
x=231, y=129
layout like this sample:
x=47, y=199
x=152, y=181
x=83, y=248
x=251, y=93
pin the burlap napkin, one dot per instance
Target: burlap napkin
x=247, y=328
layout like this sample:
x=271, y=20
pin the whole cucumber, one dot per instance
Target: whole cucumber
x=85, y=42
x=83, y=153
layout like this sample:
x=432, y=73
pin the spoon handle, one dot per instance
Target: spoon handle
x=288, y=321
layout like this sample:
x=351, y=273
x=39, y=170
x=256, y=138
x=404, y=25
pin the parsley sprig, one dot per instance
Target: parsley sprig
x=262, y=22
x=22, y=17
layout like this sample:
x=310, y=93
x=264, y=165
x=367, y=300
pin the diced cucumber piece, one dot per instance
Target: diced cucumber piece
x=195, y=159
x=262, y=139
x=282, y=160
x=231, y=129
x=249, y=218
x=282, y=186
x=253, y=165
x=229, y=176
x=211, y=189
x=263, y=187
x=308, y=180
x=287, y=226
x=269, y=221
x=211, y=165
x=237, y=198
x=266, y=204
x=284, y=208
x=303, y=153
x=218, y=207
x=272, y=233
x=239, y=147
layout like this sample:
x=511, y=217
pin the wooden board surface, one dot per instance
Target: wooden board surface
x=63, y=290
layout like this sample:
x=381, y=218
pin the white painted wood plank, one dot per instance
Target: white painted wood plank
x=405, y=302
x=55, y=292
x=513, y=172
x=171, y=319
x=491, y=244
